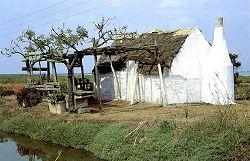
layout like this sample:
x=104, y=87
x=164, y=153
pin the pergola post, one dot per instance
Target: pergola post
x=163, y=95
x=48, y=71
x=115, y=78
x=82, y=72
x=97, y=81
x=40, y=70
x=29, y=72
x=54, y=72
x=135, y=85
x=70, y=89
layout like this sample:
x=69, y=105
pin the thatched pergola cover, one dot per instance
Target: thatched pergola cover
x=169, y=44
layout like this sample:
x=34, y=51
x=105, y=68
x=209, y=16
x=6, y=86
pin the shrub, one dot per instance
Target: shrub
x=28, y=97
x=5, y=92
x=56, y=97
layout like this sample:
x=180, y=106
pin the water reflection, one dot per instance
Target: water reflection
x=22, y=151
x=30, y=150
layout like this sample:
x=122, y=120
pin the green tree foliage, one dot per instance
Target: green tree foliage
x=30, y=42
x=236, y=65
x=67, y=40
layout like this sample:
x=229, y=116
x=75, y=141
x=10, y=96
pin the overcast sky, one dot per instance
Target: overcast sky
x=138, y=15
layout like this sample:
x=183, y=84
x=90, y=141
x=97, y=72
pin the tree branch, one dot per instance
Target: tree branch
x=66, y=42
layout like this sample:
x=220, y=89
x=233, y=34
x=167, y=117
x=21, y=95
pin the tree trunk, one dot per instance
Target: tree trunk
x=29, y=73
x=97, y=82
x=70, y=90
x=54, y=72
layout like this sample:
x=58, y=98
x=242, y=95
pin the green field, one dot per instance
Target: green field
x=242, y=91
x=22, y=78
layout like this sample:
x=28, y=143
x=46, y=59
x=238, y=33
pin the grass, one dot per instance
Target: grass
x=243, y=89
x=187, y=132
x=245, y=79
x=22, y=78
x=218, y=138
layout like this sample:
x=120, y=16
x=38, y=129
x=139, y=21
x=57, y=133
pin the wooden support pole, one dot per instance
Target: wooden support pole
x=70, y=89
x=135, y=85
x=40, y=72
x=116, y=79
x=127, y=75
x=54, y=72
x=97, y=81
x=31, y=74
x=28, y=72
x=82, y=72
x=40, y=68
x=151, y=88
x=48, y=71
x=163, y=95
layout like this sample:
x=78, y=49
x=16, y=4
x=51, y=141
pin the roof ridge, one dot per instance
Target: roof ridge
x=181, y=31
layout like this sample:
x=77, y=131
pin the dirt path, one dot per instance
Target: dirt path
x=121, y=111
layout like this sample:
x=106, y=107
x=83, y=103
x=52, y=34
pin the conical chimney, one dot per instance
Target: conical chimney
x=218, y=77
x=219, y=48
x=220, y=22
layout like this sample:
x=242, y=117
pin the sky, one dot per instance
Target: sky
x=138, y=15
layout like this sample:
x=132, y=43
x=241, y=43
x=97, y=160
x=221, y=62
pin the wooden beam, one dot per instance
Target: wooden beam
x=34, y=69
x=112, y=50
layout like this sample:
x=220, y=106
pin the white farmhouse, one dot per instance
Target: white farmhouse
x=188, y=69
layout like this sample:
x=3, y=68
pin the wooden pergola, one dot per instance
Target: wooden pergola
x=71, y=61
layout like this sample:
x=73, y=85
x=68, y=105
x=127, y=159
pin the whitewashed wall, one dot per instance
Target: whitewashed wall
x=188, y=62
x=184, y=84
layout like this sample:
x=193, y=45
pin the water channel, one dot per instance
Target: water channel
x=20, y=148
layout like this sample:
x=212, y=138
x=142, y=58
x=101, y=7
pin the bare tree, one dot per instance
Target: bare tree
x=61, y=43
x=66, y=41
x=105, y=34
x=29, y=43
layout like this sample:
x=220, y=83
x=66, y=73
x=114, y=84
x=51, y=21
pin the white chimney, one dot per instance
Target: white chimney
x=218, y=79
x=220, y=22
x=219, y=48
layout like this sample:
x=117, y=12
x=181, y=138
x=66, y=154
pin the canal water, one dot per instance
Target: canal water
x=20, y=148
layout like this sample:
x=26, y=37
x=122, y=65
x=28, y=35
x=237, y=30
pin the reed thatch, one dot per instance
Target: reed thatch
x=169, y=44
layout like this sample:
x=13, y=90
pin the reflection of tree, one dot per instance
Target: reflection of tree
x=2, y=140
x=3, y=137
x=26, y=151
x=47, y=151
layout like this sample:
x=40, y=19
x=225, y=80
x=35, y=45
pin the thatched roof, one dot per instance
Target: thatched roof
x=169, y=44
